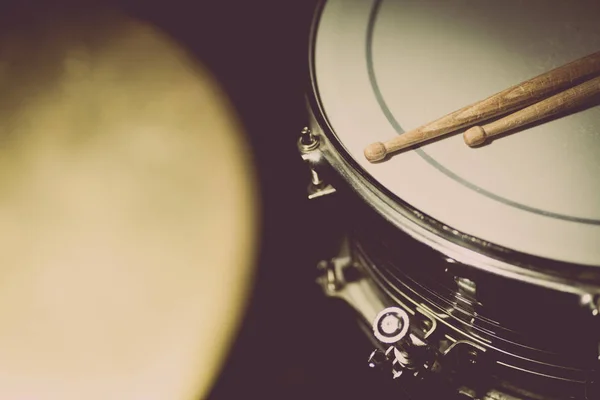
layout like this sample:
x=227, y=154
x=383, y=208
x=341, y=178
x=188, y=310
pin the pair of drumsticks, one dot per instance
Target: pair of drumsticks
x=529, y=97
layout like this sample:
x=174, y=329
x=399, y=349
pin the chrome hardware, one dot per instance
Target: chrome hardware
x=308, y=145
x=408, y=354
x=592, y=302
x=467, y=394
x=341, y=278
x=473, y=348
x=390, y=358
x=377, y=359
x=329, y=279
x=391, y=325
x=314, y=193
x=466, y=288
x=465, y=303
x=468, y=361
x=307, y=141
x=429, y=324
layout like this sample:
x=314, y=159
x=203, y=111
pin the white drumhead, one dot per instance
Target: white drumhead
x=127, y=211
x=384, y=67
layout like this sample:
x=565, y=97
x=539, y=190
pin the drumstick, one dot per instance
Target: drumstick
x=558, y=103
x=508, y=100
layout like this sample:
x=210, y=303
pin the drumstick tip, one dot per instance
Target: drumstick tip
x=474, y=136
x=375, y=152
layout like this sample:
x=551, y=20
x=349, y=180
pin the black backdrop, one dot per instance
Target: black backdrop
x=294, y=344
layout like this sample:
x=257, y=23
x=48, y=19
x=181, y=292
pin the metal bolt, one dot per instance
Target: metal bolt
x=391, y=325
x=315, y=179
x=377, y=359
x=307, y=141
x=306, y=136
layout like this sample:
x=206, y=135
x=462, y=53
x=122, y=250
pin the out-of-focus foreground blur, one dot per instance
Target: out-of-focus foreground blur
x=155, y=239
x=128, y=212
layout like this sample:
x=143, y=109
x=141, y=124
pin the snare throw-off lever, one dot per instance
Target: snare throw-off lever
x=405, y=351
x=413, y=363
x=390, y=327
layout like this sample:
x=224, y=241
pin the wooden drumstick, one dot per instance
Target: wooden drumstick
x=556, y=104
x=508, y=100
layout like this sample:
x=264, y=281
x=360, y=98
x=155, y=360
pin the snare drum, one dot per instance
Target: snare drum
x=476, y=270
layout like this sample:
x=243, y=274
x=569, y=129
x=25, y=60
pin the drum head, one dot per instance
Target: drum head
x=128, y=213
x=385, y=67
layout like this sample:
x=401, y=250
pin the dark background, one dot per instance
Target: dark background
x=294, y=343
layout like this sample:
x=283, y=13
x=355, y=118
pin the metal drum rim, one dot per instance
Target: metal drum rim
x=461, y=247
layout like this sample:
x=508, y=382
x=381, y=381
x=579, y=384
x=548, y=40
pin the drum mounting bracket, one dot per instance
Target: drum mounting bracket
x=308, y=145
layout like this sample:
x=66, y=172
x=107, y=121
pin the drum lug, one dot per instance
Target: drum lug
x=308, y=145
x=341, y=278
x=406, y=351
x=336, y=275
x=466, y=288
x=465, y=303
x=307, y=142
